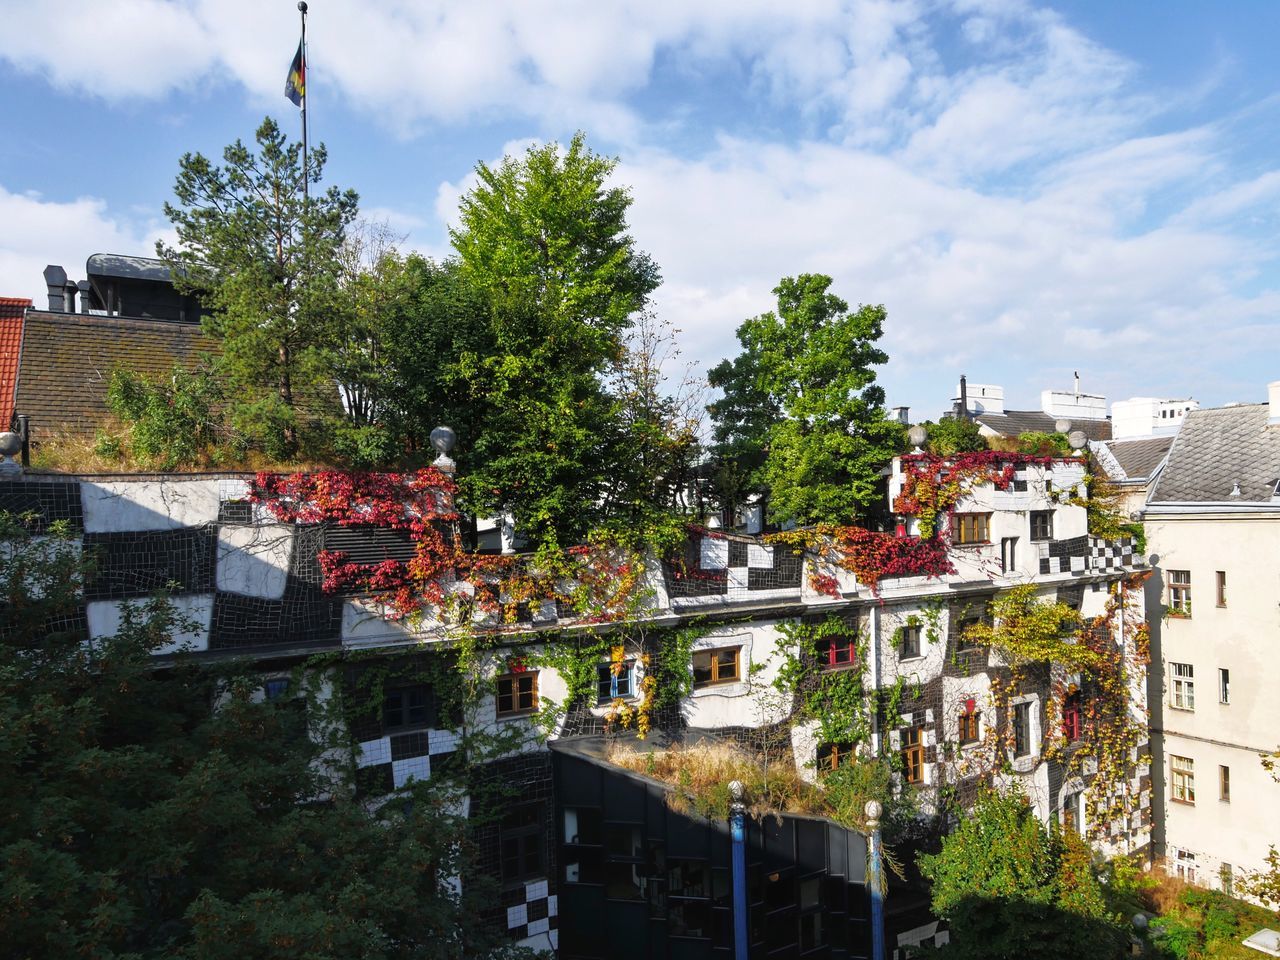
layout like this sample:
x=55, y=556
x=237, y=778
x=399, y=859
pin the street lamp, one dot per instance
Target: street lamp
x=738, y=831
x=875, y=878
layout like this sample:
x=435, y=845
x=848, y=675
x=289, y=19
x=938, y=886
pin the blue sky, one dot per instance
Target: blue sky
x=1029, y=189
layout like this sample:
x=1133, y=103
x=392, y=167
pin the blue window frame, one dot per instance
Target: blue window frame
x=611, y=686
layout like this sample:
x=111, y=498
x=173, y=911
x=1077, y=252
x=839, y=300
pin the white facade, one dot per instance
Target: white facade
x=982, y=397
x=1073, y=405
x=1148, y=416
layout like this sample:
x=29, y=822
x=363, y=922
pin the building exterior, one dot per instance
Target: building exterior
x=693, y=646
x=1148, y=417
x=1213, y=527
x=984, y=403
x=1132, y=467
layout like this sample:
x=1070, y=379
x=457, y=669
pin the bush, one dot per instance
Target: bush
x=171, y=419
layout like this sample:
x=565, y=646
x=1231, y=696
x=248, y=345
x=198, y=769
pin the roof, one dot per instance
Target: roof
x=1217, y=448
x=135, y=268
x=1136, y=459
x=1011, y=423
x=12, y=311
x=67, y=359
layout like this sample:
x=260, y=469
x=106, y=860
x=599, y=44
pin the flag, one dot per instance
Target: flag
x=295, y=86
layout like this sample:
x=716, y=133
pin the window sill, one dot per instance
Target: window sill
x=1184, y=803
x=914, y=656
x=1174, y=706
x=520, y=715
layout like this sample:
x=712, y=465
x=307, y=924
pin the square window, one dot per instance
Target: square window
x=832, y=755
x=837, y=652
x=1041, y=524
x=517, y=693
x=1180, y=593
x=970, y=528
x=1182, y=686
x=711, y=667
x=1182, y=772
x=407, y=708
x=908, y=642
x=614, y=681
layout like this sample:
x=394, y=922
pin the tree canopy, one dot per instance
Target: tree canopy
x=803, y=415
x=182, y=813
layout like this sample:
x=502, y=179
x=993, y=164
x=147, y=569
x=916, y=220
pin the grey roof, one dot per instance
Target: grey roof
x=136, y=268
x=1137, y=459
x=1217, y=448
x=1011, y=423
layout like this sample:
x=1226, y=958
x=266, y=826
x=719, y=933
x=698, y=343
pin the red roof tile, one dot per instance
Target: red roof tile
x=12, y=311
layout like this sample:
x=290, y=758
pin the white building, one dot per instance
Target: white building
x=1149, y=417
x=1213, y=525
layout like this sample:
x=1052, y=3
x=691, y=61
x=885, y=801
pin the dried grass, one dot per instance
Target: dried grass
x=701, y=775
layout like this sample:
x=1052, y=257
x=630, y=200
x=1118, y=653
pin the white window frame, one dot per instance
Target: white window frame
x=1182, y=686
x=1182, y=780
x=1180, y=592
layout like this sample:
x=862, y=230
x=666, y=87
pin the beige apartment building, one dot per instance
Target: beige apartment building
x=1213, y=530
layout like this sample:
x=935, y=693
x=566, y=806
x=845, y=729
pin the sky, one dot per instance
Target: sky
x=1031, y=190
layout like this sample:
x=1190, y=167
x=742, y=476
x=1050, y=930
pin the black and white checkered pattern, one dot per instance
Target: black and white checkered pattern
x=732, y=567
x=532, y=909
x=407, y=756
x=1105, y=555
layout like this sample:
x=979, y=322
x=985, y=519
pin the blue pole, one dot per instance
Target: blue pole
x=738, y=831
x=875, y=880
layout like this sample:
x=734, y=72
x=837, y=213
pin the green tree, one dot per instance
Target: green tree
x=178, y=813
x=1010, y=887
x=741, y=423
x=265, y=260
x=952, y=435
x=812, y=361
x=544, y=239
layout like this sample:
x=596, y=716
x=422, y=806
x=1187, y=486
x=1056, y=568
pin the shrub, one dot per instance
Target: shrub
x=171, y=420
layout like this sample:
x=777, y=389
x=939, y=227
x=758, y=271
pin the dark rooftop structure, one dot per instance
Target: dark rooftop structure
x=1223, y=455
x=130, y=317
x=1133, y=460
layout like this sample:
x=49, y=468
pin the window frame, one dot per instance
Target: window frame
x=535, y=831
x=914, y=632
x=1182, y=686
x=606, y=678
x=1224, y=686
x=1182, y=780
x=969, y=730
x=972, y=528
x=830, y=649
x=1023, y=733
x=1073, y=716
x=835, y=754
x=516, y=710
x=1008, y=554
x=716, y=679
x=1221, y=578
x=1041, y=525
x=913, y=755
x=1224, y=783
x=1179, y=593
x=406, y=723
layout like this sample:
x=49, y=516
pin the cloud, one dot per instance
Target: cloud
x=39, y=232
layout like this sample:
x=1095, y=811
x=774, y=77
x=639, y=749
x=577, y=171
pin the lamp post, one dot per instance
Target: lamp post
x=875, y=878
x=738, y=833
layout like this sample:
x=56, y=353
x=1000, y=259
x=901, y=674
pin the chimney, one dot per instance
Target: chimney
x=902, y=415
x=1273, y=403
x=55, y=278
x=84, y=295
x=964, y=397
x=1077, y=383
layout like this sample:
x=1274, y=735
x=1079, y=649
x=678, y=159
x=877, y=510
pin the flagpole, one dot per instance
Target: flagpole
x=302, y=8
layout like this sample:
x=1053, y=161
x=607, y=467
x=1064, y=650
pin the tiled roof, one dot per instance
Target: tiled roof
x=1138, y=459
x=67, y=359
x=1217, y=448
x=12, y=310
x=1011, y=423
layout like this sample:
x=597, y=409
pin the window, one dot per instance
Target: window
x=969, y=723
x=521, y=844
x=1022, y=729
x=970, y=527
x=832, y=755
x=1184, y=864
x=611, y=685
x=963, y=640
x=1071, y=725
x=715, y=666
x=1041, y=524
x=407, y=708
x=1008, y=554
x=517, y=693
x=1182, y=680
x=913, y=755
x=276, y=689
x=1225, y=877
x=1222, y=588
x=1224, y=784
x=837, y=652
x=1071, y=813
x=1183, y=774
x=1224, y=685
x=909, y=642
x=1180, y=593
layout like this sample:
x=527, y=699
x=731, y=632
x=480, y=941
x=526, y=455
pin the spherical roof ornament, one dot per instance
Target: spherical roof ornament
x=10, y=447
x=443, y=438
x=917, y=435
x=1062, y=426
x=1077, y=439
